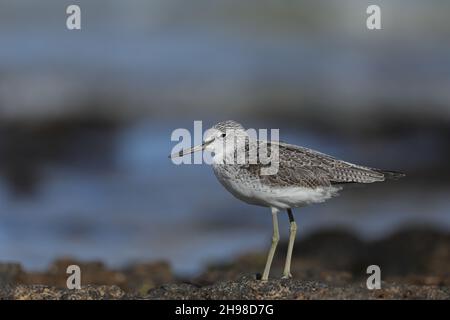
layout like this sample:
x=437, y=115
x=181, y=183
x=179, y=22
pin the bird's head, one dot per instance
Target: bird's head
x=221, y=139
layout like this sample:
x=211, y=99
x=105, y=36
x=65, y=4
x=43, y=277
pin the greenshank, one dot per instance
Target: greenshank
x=303, y=176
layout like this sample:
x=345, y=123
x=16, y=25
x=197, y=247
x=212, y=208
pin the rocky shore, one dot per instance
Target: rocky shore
x=415, y=264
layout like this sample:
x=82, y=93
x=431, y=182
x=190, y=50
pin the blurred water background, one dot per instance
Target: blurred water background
x=86, y=118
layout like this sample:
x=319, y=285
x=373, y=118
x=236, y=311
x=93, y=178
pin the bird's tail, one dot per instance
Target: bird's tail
x=391, y=175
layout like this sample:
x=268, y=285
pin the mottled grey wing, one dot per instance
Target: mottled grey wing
x=299, y=166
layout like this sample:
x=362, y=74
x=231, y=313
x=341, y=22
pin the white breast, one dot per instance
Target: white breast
x=290, y=197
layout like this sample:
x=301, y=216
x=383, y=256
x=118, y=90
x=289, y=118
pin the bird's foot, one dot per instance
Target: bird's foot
x=259, y=277
x=287, y=276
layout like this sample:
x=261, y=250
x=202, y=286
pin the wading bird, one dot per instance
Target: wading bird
x=302, y=176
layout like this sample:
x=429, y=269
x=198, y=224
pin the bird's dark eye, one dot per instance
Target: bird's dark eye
x=223, y=135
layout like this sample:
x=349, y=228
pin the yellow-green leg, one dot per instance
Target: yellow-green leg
x=292, y=232
x=273, y=247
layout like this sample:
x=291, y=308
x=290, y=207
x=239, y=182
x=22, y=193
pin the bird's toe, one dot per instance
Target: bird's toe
x=287, y=276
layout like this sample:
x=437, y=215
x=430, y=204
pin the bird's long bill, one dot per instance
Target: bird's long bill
x=188, y=151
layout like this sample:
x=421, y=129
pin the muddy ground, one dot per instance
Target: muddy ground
x=415, y=264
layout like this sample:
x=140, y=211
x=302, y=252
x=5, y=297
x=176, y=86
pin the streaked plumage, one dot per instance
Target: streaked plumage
x=298, y=168
x=304, y=176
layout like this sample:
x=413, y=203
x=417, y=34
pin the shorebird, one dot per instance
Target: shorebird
x=303, y=176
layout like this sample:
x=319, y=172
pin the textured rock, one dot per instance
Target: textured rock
x=250, y=288
x=415, y=264
x=40, y=292
x=244, y=288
